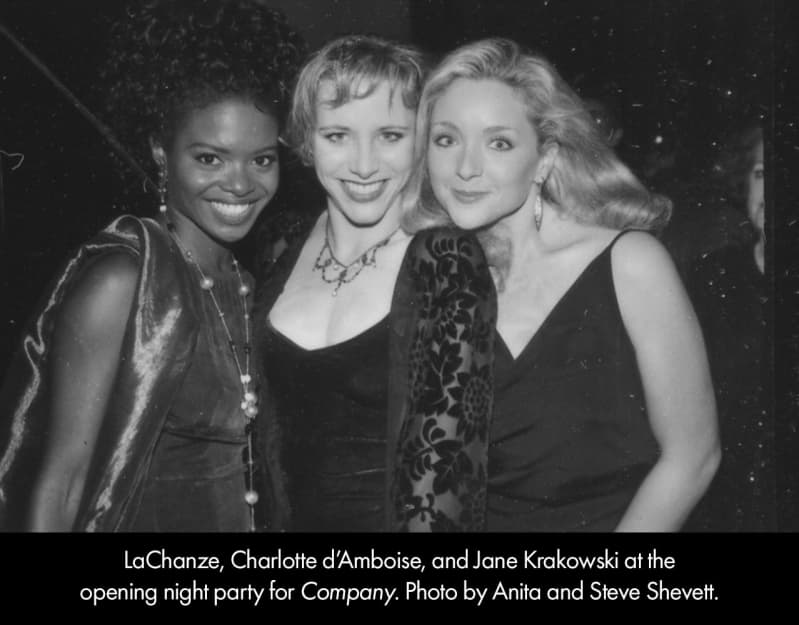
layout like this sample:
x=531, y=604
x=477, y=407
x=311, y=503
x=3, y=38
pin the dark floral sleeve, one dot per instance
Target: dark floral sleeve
x=440, y=475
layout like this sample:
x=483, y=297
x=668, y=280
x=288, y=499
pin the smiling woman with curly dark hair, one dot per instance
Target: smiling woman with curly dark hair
x=166, y=58
x=132, y=404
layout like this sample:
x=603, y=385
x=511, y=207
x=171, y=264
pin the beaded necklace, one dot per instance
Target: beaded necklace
x=249, y=403
x=326, y=262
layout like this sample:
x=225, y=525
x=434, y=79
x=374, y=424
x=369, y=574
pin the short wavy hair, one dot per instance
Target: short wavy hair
x=356, y=65
x=167, y=57
x=587, y=182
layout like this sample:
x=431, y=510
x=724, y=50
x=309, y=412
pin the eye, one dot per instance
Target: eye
x=334, y=137
x=265, y=160
x=392, y=136
x=207, y=158
x=443, y=140
x=500, y=144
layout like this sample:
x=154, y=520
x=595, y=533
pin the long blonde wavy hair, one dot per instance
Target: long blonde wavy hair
x=587, y=182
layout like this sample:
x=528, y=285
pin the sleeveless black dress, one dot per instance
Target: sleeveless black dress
x=570, y=442
x=333, y=416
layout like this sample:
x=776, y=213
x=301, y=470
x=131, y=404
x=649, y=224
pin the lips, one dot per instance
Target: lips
x=232, y=213
x=468, y=197
x=363, y=192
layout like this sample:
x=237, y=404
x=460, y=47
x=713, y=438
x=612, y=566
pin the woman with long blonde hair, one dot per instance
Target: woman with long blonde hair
x=604, y=416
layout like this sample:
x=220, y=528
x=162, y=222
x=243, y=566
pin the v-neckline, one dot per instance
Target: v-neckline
x=534, y=339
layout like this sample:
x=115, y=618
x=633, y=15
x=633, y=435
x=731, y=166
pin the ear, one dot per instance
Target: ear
x=547, y=161
x=158, y=152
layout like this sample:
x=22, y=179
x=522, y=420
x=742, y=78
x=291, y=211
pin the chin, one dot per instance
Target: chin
x=466, y=221
x=233, y=234
x=365, y=216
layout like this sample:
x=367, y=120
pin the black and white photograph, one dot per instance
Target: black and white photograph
x=358, y=267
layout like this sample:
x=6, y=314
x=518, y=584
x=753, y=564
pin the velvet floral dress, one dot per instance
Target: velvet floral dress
x=434, y=385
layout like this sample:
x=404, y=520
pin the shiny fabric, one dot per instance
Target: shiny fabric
x=439, y=382
x=570, y=442
x=196, y=479
x=157, y=350
x=335, y=438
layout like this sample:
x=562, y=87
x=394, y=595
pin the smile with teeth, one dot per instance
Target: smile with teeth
x=363, y=191
x=232, y=211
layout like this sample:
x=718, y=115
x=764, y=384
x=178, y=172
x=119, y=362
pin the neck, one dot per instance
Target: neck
x=348, y=241
x=212, y=256
x=514, y=239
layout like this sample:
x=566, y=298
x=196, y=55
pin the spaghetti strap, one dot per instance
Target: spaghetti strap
x=618, y=236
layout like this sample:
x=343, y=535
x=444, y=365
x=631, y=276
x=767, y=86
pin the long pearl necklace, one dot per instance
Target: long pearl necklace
x=343, y=273
x=249, y=403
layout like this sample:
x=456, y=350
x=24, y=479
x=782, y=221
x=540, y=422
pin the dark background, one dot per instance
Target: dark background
x=677, y=75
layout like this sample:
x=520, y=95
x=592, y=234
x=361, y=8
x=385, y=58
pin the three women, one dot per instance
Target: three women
x=378, y=344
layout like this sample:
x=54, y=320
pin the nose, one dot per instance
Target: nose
x=237, y=180
x=363, y=161
x=470, y=162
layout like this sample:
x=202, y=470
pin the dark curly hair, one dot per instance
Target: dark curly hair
x=167, y=57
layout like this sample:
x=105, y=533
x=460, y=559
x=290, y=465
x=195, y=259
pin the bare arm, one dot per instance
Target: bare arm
x=86, y=350
x=673, y=365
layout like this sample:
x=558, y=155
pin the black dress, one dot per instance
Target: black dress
x=333, y=406
x=730, y=297
x=394, y=422
x=570, y=443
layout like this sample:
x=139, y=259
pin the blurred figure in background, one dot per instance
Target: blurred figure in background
x=703, y=221
x=730, y=292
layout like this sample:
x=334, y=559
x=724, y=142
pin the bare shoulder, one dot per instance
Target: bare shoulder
x=647, y=284
x=638, y=257
x=102, y=294
x=107, y=274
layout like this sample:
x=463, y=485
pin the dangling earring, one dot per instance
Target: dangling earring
x=162, y=190
x=538, y=207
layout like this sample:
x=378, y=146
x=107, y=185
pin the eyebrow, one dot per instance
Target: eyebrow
x=220, y=149
x=386, y=127
x=492, y=129
x=487, y=131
